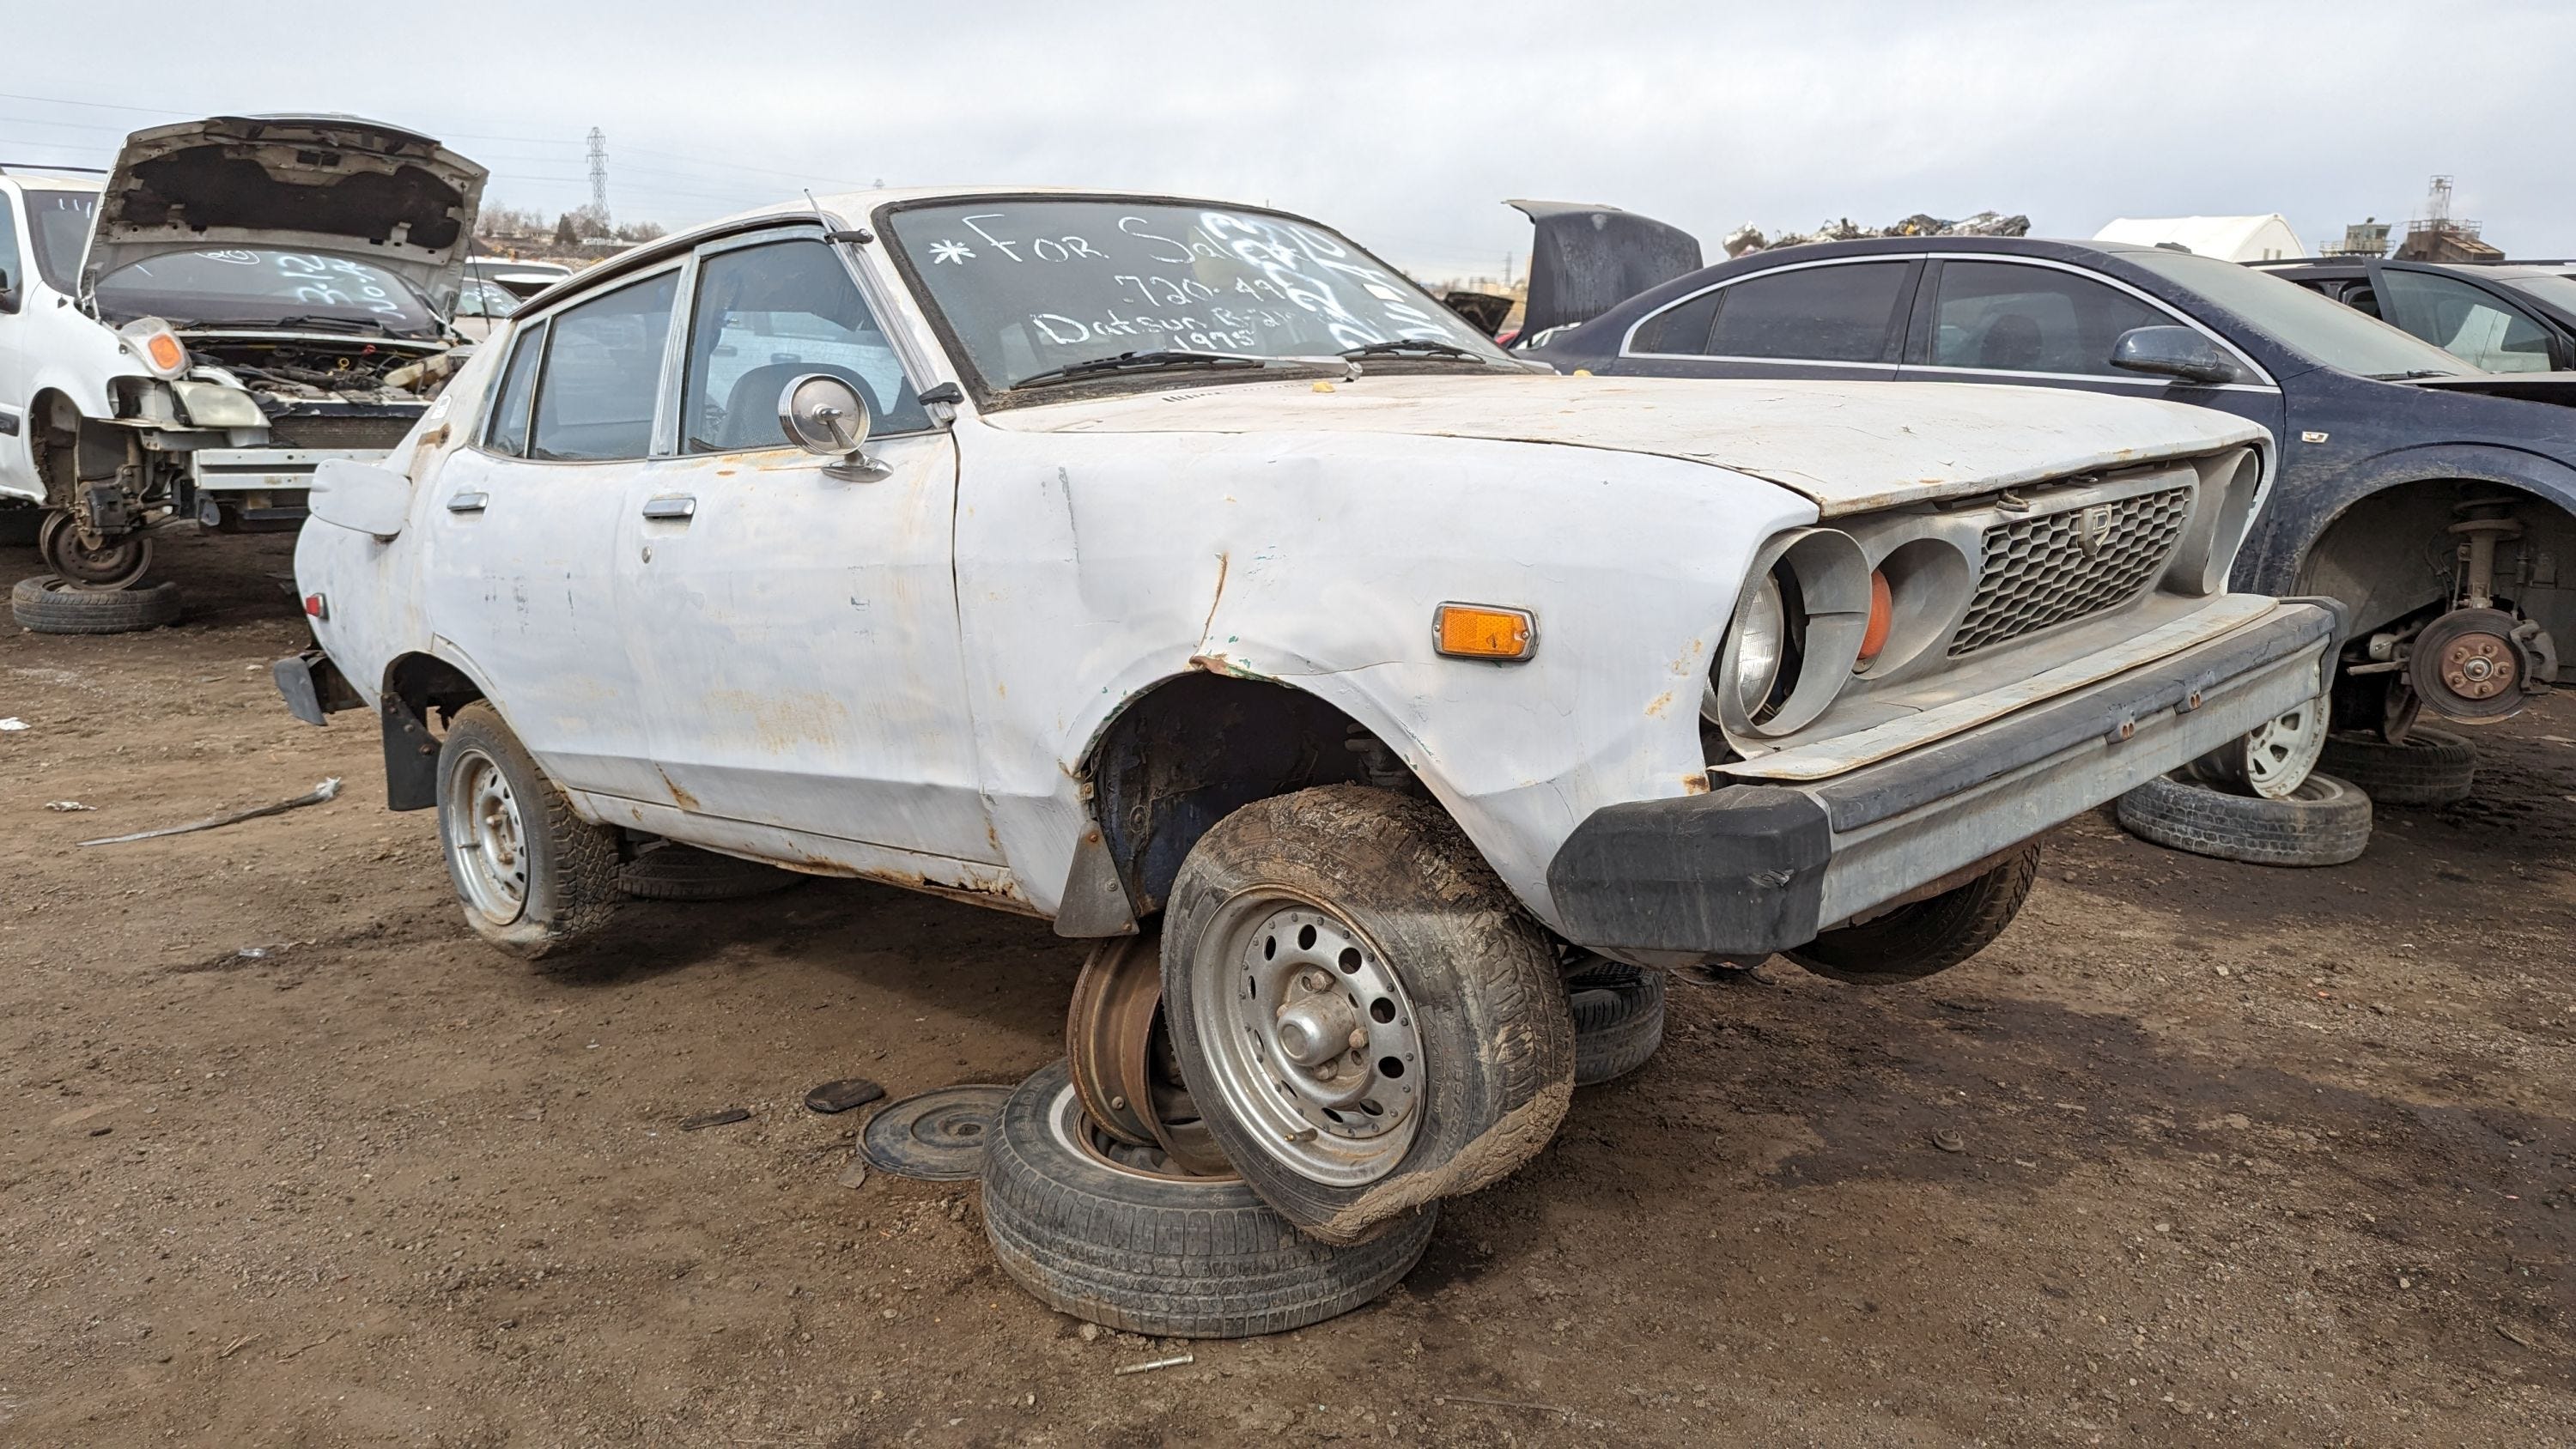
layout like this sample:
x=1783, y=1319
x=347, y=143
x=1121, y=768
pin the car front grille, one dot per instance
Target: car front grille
x=2053, y=567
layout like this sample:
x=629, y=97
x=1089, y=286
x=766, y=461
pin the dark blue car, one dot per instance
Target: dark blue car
x=2436, y=500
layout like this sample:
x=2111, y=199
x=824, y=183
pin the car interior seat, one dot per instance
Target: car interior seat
x=751, y=407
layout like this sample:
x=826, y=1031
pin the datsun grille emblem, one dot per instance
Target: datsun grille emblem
x=2093, y=529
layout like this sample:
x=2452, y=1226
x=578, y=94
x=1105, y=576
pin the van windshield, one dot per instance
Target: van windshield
x=266, y=287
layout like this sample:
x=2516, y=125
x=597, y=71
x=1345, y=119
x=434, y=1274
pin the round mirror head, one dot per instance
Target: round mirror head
x=823, y=414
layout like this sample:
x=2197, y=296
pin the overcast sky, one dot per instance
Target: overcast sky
x=1405, y=124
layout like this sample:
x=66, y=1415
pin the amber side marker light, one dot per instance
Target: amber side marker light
x=1882, y=617
x=1484, y=631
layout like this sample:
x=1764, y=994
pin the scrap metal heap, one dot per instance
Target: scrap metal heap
x=1749, y=238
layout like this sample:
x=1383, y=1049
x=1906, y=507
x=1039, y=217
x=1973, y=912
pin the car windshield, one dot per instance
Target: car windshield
x=266, y=287
x=2557, y=289
x=477, y=297
x=1031, y=286
x=59, y=220
x=2322, y=330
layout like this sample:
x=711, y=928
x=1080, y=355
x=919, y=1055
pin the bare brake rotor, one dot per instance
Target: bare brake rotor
x=1121, y=1057
x=2468, y=665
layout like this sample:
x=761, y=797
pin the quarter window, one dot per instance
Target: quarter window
x=507, y=432
x=1681, y=330
x=1840, y=313
x=767, y=315
x=2464, y=321
x=603, y=374
x=2013, y=318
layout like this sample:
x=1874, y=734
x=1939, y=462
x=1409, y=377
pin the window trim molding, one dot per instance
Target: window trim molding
x=546, y=319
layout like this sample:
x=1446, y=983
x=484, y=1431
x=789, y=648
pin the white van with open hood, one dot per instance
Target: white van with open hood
x=243, y=298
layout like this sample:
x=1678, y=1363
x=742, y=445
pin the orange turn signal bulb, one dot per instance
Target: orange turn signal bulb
x=1484, y=631
x=1882, y=617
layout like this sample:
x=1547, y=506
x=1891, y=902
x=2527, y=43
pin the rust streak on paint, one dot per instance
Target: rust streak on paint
x=1224, y=561
x=679, y=797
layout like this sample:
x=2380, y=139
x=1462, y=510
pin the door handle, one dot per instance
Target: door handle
x=678, y=505
x=468, y=502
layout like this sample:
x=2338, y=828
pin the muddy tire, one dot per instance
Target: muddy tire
x=1618, y=1013
x=49, y=605
x=1133, y=1246
x=2327, y=822
x=682, y=873
x=2433, y=767
x=1929, y=936
x=1365, y=1018
x=531, y=875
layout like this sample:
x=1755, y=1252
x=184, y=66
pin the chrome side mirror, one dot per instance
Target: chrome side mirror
x=827, y=417
x=2177, y=352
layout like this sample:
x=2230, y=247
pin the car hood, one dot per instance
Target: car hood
x=2545, y=387
x=1848, y=446
x=336, y=184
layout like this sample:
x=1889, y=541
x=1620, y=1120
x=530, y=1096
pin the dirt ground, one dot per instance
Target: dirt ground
x=288, y=1158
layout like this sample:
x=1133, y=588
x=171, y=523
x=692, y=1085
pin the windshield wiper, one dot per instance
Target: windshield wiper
x=1422, y=346
x=1157, y=360
x=308, y=321
x=2420, y=372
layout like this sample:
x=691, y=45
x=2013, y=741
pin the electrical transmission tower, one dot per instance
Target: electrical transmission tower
x=599, y=172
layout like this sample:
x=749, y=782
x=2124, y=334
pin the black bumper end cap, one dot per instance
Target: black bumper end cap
x=1739, y=871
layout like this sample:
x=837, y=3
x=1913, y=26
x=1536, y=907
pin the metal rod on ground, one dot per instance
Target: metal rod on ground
x=318, y=794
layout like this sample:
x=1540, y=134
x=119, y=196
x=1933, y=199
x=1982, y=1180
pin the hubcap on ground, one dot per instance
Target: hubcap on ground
x=488, y=840
x=1311, y=1038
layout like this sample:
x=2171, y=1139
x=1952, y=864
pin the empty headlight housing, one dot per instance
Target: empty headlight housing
x=1796, y=635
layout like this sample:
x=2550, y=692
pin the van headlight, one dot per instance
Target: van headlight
x=1795, y=638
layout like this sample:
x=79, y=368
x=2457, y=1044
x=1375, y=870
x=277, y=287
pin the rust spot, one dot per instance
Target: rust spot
x=679, y=797
x=1695, y=783
x=1660, y=703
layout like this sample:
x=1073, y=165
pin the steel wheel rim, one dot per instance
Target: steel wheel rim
x=111, y=566
x=2281, y=751
x=487, y=839
x=1283, y=989
x=1079, y=1133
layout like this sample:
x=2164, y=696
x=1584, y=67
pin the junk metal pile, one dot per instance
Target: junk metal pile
x=1033, y=549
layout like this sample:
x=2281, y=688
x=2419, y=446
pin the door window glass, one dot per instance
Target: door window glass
x=1681, y=329
x=1826, y=314
x=603, y=374
x=2014, y=318
x=767, y=315
x=12, y=275
x=2465, y=321
x=508, y=430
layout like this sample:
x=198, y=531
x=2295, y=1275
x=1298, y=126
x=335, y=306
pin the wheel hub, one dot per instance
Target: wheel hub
x=2468, y=664
x=2479, y=666
x=1312, y=1040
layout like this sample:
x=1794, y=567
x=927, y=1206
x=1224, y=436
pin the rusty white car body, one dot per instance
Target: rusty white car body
x=1047, y=629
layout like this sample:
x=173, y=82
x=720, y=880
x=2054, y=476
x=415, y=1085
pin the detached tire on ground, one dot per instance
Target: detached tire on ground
x=1132, y=1246
x=2326, y=822
x=1925, y=937
x=683, y=873
x=1366, y=1019
x=531, y=874
x=49, y=605
x=2432, y=768
x=1618, y=1015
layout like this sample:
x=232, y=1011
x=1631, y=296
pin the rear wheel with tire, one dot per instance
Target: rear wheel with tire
x=1365, y=1018
x=1111, y=1233
x=1923, y=937
x=48, y=604
x=531, y=874
x=2325, y=822
x=2432, y=767
x=1618, y=1015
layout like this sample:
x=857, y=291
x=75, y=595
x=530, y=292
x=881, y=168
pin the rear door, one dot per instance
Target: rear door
x=2038, y=323
x=1838, y=319
x=17, y=470
x=526, y=531
x=795, y=632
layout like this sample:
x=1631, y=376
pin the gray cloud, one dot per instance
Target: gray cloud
x=1405, y=124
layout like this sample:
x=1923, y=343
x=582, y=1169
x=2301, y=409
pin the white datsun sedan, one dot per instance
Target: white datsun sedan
x=1142, y=563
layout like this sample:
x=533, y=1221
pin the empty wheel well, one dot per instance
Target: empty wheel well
x=415, y=684
x=425, y=681
x=1195, y=749
x=2391, y=553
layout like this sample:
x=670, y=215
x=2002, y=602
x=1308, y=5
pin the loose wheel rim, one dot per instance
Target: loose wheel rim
x=2281, y=751
x=1118, y=1054
x=488, y=839
x=1073, y=1126
x=1311, y=1039
x=111, y=564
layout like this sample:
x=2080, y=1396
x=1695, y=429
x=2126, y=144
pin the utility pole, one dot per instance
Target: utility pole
x=599, y=174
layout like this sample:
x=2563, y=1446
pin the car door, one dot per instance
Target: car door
x=795, y=631
x=2473, y=323
x=2041, y=323
x=525, y=534
x=1838, y=318
x=17, y=466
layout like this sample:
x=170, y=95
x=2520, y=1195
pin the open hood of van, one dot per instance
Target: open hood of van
x=337, y=184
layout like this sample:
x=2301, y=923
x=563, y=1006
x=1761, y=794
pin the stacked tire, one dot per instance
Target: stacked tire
x=48, y=604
